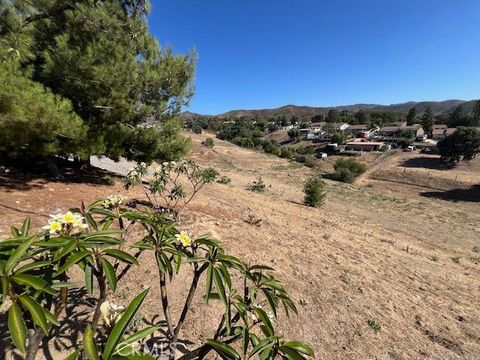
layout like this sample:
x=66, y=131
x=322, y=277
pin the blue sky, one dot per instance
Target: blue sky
x=268, y=53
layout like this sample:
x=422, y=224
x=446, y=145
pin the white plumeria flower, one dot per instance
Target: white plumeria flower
x=53, y=227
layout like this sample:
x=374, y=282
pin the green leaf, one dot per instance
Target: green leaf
x=17, y=254
x=290, y=353
x=224, y=350
x=67, y=249
x=245, y=340
x=34, y=282
x=217, y=278
x=122, y=324
x=300, y=347
x=17, y=328
x=121, y=255
x=89, y=278
x=266, y=321
x=50, y=317
x=110, y=272
x=15, y=232
x=32, y=266
x=89, y=344
x=137, y=336
x=271, y=301
x=91, y=221
x=26, y=226
x=74, y=355
x=208, y=288
x=261, y=346
x=75, y=258
x=36, y=311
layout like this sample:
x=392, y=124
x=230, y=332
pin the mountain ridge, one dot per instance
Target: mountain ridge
x=438, y=107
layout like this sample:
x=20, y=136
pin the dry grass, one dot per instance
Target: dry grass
x=360, y=268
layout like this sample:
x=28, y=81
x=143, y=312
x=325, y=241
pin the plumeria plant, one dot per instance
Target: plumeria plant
x=105, y=240
x=172, y=186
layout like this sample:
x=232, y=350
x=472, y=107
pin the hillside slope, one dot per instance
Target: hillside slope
x=367, y=257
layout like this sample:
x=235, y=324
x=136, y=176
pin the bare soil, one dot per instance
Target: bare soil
x=377, y=253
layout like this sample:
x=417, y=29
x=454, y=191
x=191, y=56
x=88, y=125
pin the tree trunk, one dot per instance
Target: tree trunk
x=34, y=340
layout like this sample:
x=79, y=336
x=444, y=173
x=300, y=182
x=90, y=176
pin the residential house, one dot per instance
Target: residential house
x=388, y=132
x=364, y=145
x=442, y=132
x=341, y=126
x=415, y=128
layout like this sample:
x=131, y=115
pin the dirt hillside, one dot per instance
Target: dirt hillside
x=379, y=272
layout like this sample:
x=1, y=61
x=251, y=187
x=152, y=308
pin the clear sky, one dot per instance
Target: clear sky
x=269, y=53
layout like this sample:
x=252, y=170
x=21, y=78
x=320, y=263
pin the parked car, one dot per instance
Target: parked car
x=410, y=148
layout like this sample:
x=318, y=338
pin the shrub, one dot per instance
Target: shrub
x=224, y=180
x=197, y=129
x=258, y=185
x=347, y=170
x=310, y=161
x=287, y=152
x=314, y=192
x=208, y=142
x=294, y=133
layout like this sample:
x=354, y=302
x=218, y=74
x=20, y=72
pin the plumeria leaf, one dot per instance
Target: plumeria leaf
x=18, y=254
x=300, y=347
x=36, y=311
x=121, y=255
x=34, y=282
x=26, y=226
x=17, y=328
x=224, y=350
x=122, y=324
x=32, y=266
x=110, y=272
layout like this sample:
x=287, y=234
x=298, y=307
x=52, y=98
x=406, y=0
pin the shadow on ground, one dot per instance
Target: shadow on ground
x=36, y=175
x=427, y=163
x=471, y=194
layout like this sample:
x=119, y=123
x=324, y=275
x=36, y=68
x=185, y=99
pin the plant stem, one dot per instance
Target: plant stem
x=102, y=286
x=34, y=340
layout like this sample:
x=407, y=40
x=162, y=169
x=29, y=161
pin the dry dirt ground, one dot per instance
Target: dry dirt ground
x=378, y=253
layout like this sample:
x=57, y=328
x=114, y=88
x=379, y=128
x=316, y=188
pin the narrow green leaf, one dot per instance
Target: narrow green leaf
x=17, y=254
x=91, y=221
x=122, y=324
x=245, y=340
x=266, y=321
x=17, y=328
x=34, y=282
x=89, y=344
x=50, y=317
x=74, y=355
x=121, y=255
x=217, y=278
x=89, y=278
x=224, y=350
x=300, y=347
x=110, y=272
x=208, y=288
x=26, y=226
x=32, y=266
x=72, y=260
x=36, y=311
x=291, y=354
x=137, y=336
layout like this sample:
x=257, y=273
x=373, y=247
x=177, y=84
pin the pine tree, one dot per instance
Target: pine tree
x=476, y=114
x=427, y=120
x=110, y=68
x=412, y=115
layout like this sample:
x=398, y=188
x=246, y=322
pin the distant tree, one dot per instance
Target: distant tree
x=462, y=144
x=362, y=117
x=284, y=121
x=427, y=120
x=412, y=116
x=339, y=137
x=197, y=129
x=476, y=114
x=294, y=133
x=318, y=118
x=314, y=190
x=332, y=116
x=405, y=138
x=458, y=118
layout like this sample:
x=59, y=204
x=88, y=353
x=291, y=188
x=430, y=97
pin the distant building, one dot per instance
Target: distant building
x=341, y=126
x=415, y=128
x=388, y=132
x=442, y=132
x=364, y=145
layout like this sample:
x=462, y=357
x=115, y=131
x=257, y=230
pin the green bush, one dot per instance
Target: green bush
x=314, y=190
x=347, y=170
x=208, y=142
x=258, y=185
x=224, y=180
x=197, y=129
x=287, y=152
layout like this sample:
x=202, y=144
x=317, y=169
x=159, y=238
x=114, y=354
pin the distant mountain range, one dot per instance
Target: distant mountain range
x=438, y=107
